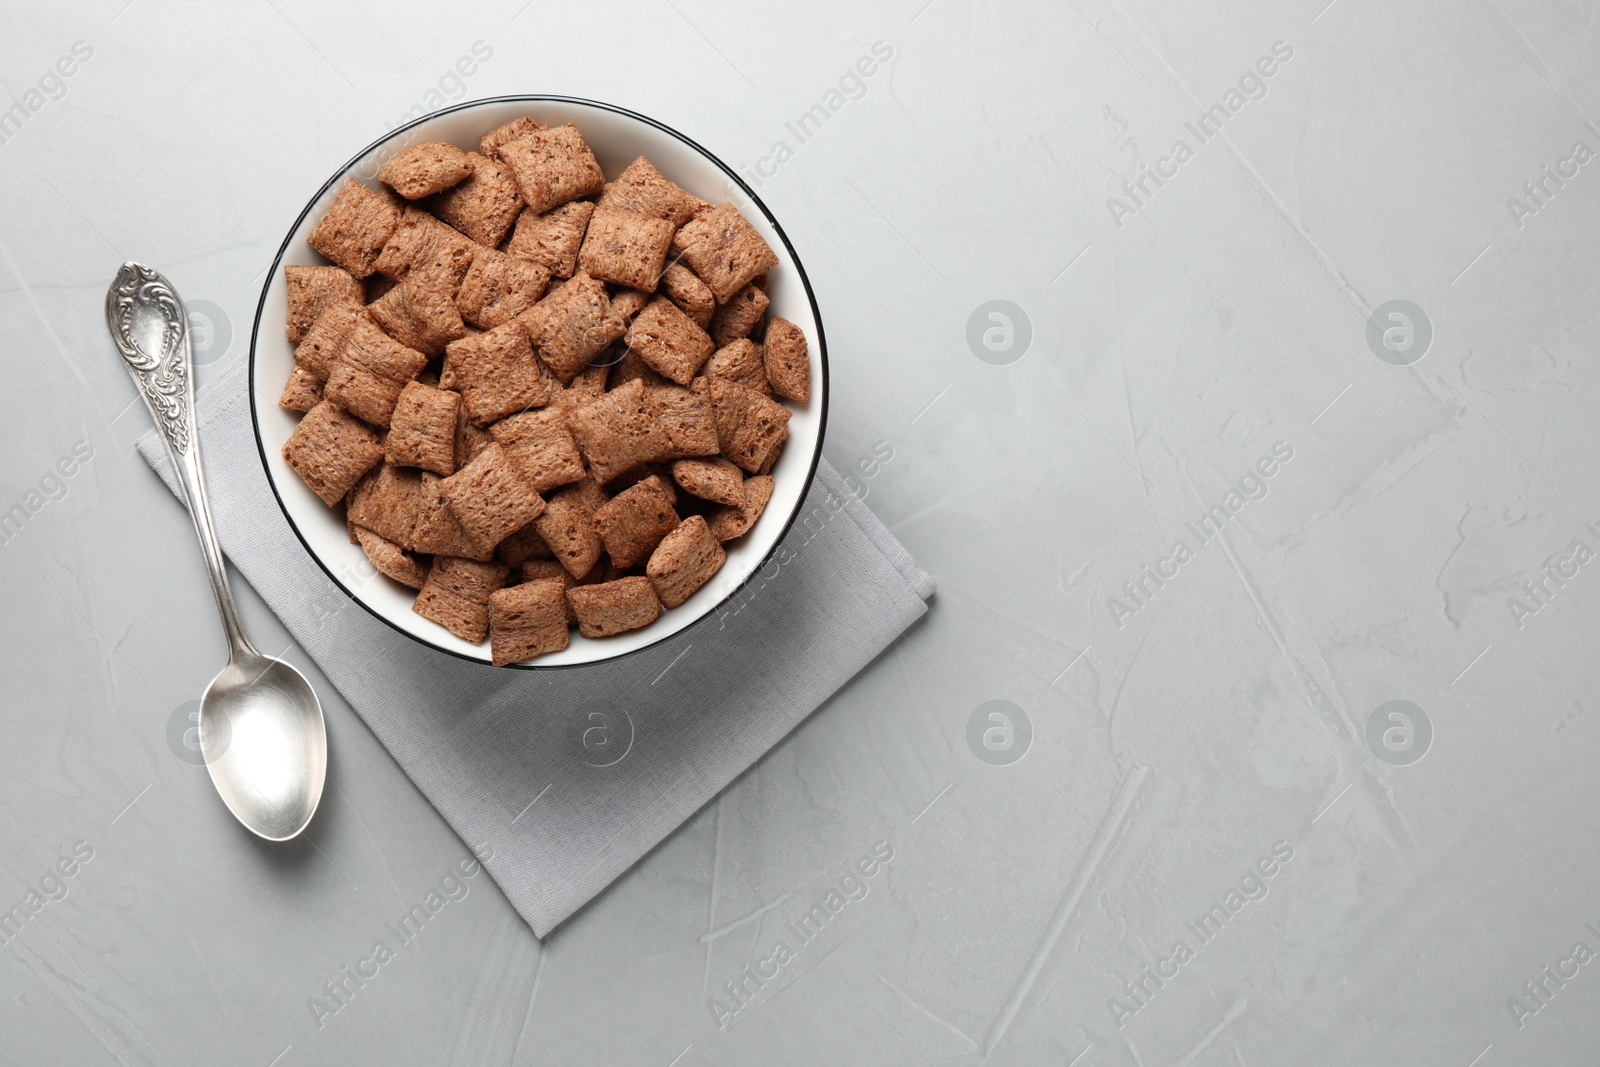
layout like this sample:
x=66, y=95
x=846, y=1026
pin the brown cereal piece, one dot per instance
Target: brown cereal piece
x=625, y=248
x=490, y=498
x=356, y=227
x=617, y=431
x=724, y=249
x=302, y=392
x=331, y=450
x=629, y=367
x=535, y=569
x=484, y=205
x=489, y=144
x=572, y=325
x=372, y=369
x=438, y=530
x=391, y=559
x=716, y=479
x=552, y=166
x=523, y=545
x=740, y=362
x=591, y=380
x=567, y=526
x=554, y=238
x=318, y=351
x=388, y=502
x=669, y=341
x=372, y=347
x=750, y=427
x=683, y=287
x=787, y=361
x=628, y=303
x=732, y=522
x=638, y=474
x=590, y=384
x=421, y=312
x=685, y=417
x=311, y=290
x=527, y=620
x=497, y=373
x=632, y=523
x=614, y=607
x=422, y=242
x=739, y=315
x=640, y=188
x=367, y=396
x=772, y=457
x=425, y=169
x=497, y=288
x=540, y=447
x=456, y=595
x=422, y=430
x=684, y=561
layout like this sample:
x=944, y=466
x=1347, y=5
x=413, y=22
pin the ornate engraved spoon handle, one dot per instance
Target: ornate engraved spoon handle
x=151, y=330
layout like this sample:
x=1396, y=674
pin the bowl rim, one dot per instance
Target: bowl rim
x=346, y=170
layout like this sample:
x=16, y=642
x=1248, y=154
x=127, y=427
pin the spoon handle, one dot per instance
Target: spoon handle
x=151, y=330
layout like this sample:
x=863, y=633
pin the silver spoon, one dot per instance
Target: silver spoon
x=261, y=729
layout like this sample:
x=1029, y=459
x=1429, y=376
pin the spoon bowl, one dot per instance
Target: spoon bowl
x=265, y=745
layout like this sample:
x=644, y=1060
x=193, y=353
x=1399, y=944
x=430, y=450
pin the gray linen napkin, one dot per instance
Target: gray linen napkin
x=562, y=780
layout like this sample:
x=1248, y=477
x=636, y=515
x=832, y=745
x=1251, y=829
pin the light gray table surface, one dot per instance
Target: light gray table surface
x=1187, y=776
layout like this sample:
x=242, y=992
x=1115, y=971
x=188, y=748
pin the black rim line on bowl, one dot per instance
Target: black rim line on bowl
x=794, y=257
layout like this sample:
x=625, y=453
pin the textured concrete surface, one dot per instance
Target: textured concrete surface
x=1196, y=830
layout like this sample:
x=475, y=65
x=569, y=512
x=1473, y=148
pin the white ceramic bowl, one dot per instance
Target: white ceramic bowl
x=617, y=138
